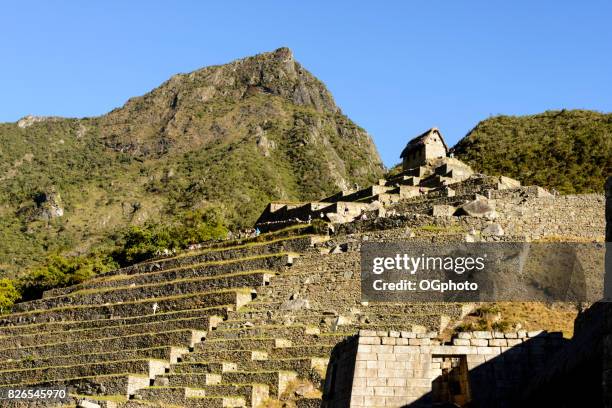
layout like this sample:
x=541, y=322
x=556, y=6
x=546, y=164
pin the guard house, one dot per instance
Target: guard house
x=418, y=151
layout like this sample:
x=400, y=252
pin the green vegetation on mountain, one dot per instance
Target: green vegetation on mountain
x=225, y=139
x=568, y=150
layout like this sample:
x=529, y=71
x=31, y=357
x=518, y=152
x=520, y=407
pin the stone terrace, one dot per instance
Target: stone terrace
x=233, y=325
x=243, y=323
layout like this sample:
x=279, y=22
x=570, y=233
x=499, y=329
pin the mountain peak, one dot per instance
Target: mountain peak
x=283, y=53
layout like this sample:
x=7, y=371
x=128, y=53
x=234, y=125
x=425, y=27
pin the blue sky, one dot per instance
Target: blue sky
x=395, y=67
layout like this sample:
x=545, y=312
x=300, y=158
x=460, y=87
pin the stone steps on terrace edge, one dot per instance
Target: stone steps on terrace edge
x=182, y=395
x=148, y=367
x=190, y=402
x=172, y=354
x=165, y=288
x=298, y=331
x=292, y=244
x=328, y=323
x=277, y=380
x=194, y=323
x=262, y=343
x=266, y=343
x=233, y=356
x=262, y=308
x=184, y=338
x=241, y=356
x=289, y=332
x=214, y=314
x=233, y=298
x=310, y=368
x=274, y=262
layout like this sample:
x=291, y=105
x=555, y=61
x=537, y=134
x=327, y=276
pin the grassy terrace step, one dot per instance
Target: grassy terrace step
x=261, y=306
x=181, y=396
x=261, y=262
x=279, y=245
x=214, y=314
x=227, y=383
x=264, y=306
x=300, y=351
x=234, y=356
x=105, y=401
x=240, y=357
x=310, y=368
x=327, y=322
x=185, y=338
x=254, y=393
x=110, y=384
x=194, y=323
x=289, y=332
x=150, y=368
x=276, y=380
x=231, y=297
x=203, y=367
x=262, y=343
x=228, y=401
x=297, y=333
x=169, y=353
x=165, y=288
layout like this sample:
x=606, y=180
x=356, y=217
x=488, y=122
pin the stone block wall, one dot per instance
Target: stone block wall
x=407, y=369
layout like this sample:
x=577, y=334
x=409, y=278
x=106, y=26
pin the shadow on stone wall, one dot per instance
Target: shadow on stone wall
x=340, y=373
x=521, y=378
x=572, y=377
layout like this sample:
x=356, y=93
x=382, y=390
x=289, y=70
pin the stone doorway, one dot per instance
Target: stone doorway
x=451, y=388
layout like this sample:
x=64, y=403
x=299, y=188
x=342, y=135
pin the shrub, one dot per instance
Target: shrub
x=144, y=242
x=60, y=271
x=8, y=295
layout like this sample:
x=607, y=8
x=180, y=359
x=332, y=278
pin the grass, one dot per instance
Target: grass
x=83, y=292
x=174, y=297
x=228, y=248
x=77, y=331
x=568, y=150
x=98, y=339
x=30, y=359
x=84, y=378
x=511, y=316
x=80, y=365
x=198, y=265
x=33, y=325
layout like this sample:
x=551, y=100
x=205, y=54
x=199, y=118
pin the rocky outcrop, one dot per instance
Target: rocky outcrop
x=49, y=205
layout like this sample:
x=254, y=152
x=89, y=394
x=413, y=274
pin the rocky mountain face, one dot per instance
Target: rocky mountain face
x=569, y=150
x=233, y=136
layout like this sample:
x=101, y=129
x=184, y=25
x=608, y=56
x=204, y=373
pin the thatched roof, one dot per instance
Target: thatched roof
x=420, y=140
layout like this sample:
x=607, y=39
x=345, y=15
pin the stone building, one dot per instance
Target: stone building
x=429, y=145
